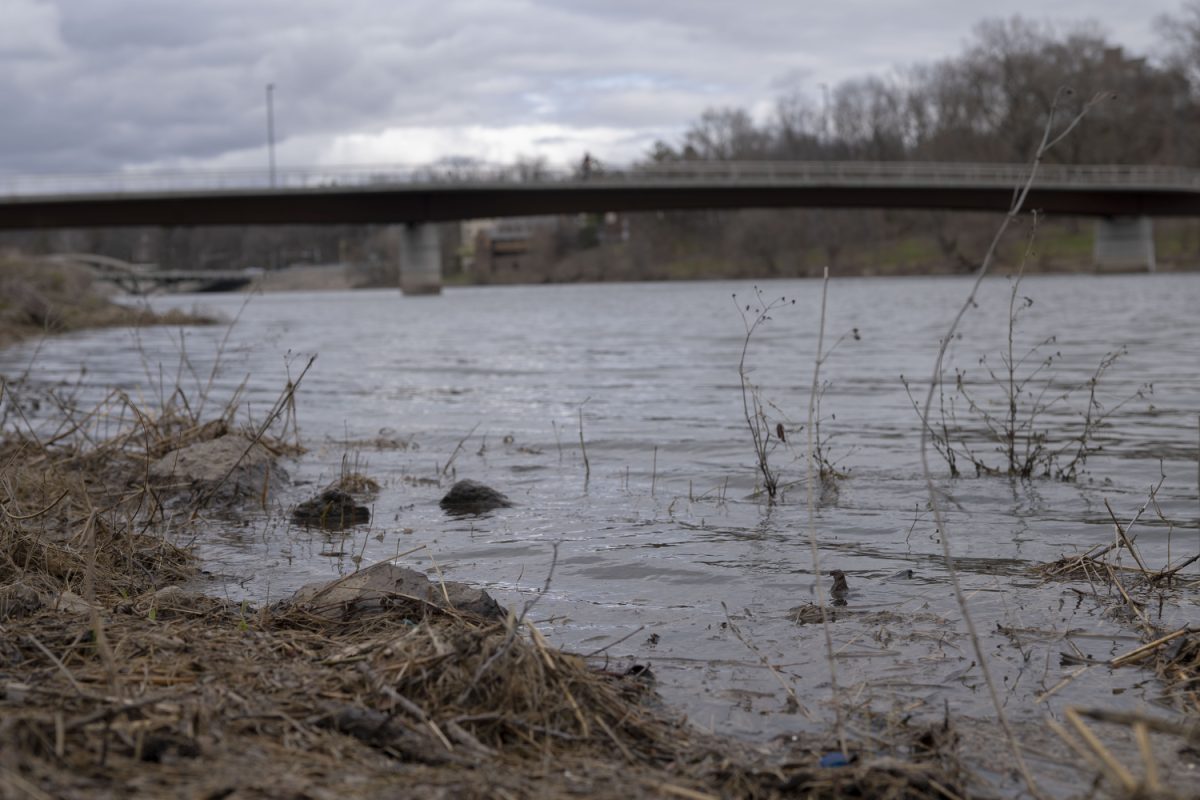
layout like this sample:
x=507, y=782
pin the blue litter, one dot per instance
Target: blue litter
x=835, y=760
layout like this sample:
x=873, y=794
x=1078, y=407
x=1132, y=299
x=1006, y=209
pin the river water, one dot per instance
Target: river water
x=662, y=541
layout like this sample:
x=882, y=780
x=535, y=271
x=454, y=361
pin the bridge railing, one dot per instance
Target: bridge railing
x=844, y=173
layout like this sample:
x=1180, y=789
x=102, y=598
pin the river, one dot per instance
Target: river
x=661, y=538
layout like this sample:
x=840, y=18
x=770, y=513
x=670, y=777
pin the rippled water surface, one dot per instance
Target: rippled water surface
x=665, y=541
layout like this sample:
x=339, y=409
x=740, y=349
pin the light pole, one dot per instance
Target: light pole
x=824, y=112
x=271, y=130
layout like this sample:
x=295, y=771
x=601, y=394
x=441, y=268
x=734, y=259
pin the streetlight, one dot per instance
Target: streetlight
x=271, y=130
x=824, y=111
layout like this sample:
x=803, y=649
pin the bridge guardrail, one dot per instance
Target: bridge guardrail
x=848, y=173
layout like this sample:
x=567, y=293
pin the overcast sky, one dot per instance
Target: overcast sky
x=100, y=85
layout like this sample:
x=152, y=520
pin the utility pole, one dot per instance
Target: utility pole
x=271, y=130
x=824, y=112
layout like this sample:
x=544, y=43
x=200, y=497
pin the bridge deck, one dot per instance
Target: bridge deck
x=377, y=195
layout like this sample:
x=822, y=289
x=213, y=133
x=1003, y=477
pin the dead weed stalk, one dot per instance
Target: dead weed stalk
x=1049, y=140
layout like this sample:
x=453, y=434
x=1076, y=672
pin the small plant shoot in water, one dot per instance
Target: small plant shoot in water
x=754, y=407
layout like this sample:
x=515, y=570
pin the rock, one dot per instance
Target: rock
x=225, y=470
x=71, y=603
x=19, y=600
x=380, y=583
x=331, y=510
x=471, y=497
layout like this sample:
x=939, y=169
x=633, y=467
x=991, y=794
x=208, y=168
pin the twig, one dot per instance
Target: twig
x=587, y=467
x=280, y=405
x=58, y=663
x=1112, y=766
x=615, y=642
x=1137, y=653
x=1122, y=535
x=812, y=526
x=457, y=448
x=514, y=627
x=1190, y=732
x=793, y=700
x=935, y=380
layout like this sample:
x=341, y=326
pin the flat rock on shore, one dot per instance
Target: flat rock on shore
x=224, y=470
x=380, y=583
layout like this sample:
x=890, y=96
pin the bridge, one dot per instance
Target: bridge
x=145, y=278
x=1123, y=198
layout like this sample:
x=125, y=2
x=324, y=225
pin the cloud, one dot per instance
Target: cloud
x=94, y=85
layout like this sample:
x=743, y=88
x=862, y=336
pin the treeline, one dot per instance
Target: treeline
x=988, y=104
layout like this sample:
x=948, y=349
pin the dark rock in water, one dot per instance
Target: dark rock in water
x=840, y=588
x=381, y=585
x=331, y=510
x=471, y=497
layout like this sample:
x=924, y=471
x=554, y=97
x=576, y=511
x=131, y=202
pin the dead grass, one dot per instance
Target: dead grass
x=207, y=698
x=41, y=297
x=1130, y=591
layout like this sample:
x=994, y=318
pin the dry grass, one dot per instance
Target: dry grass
x=40, y=297
x=1130, y=590
x=205, y=698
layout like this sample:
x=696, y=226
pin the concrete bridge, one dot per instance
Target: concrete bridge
x=1122, y=198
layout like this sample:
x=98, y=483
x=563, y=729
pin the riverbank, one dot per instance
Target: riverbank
x=39, y=297
x=642, y=571
x=117, y=681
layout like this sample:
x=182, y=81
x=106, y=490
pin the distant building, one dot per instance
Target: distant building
x=516, y=250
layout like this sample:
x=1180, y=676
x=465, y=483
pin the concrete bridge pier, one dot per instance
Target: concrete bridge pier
x=1124, y=243
x=420, y=259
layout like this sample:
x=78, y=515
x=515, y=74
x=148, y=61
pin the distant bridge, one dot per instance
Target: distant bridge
x=1123, y=197
x=145, y=278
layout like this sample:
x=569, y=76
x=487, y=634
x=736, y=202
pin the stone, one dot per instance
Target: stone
x=381, y=583
x=471, y=497
x=226, y=470
x=331, y=510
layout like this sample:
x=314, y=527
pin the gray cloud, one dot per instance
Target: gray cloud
x=106, y=84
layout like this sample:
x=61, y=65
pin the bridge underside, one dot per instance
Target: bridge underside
x=444, y=203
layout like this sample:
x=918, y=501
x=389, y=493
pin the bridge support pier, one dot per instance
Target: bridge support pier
x=420, y=259
x=1124, y=243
